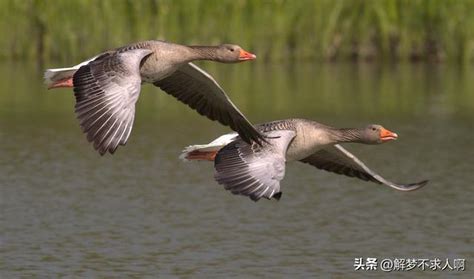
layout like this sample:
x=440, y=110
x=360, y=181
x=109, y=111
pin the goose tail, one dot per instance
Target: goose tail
x=206, y=152
x=62, y=77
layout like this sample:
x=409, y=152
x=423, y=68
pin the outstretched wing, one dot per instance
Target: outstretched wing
x=338, y=160
x=252, y=170
x=106, y=91
x=196, y=88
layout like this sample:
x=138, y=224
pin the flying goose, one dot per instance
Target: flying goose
x=107, y=87
x=256, y=171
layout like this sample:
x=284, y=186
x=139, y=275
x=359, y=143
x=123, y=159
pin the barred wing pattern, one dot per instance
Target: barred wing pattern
x=106, y=91
x=252, y=170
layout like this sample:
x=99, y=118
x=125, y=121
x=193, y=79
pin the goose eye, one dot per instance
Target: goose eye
x=232, y=49
x=374, y=129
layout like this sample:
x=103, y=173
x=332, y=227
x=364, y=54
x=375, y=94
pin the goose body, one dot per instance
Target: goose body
x=107, y=87
x=256, y=171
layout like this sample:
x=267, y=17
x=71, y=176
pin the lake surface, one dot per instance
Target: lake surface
x=65, y=211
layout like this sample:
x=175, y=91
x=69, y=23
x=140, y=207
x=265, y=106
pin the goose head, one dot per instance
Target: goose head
x=229, y=53
x=376, y=134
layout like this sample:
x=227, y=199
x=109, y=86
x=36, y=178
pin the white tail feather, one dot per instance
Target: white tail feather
x=215, y=145
x=53, y=75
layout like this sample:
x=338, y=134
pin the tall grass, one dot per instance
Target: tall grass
x=67, y=31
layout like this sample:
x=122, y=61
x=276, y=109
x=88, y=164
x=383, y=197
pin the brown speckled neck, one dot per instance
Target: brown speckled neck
x=204, y=52
x=346, y=135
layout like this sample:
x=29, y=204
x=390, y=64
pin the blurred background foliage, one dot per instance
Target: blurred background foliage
x=277, y=30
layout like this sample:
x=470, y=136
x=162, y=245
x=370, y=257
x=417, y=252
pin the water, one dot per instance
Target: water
x=66, y=211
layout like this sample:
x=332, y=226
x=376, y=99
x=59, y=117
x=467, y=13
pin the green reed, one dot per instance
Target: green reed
x=60, y=30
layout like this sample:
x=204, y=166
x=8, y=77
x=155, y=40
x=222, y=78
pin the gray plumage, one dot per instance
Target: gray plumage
x=107, y=117
x=106, y=91
x=191, y=85
x=338, y=160
x=252, y=170
x=256, y=171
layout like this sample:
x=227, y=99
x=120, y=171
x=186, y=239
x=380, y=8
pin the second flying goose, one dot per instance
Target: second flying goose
x=256, y=171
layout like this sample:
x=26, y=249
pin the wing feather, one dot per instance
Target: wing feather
x=196, y=88
x=338, y=160
x=252, y=170
x=106, y=91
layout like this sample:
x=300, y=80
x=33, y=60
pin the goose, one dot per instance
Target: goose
x=256, y=171
x=107, y=86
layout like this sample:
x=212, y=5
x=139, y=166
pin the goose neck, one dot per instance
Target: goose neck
x=203, y=53
x=346, y=135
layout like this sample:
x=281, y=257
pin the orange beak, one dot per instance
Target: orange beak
x=244, y=55
x=386, y=135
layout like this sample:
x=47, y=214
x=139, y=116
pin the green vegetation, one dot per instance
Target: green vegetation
x=388, y=30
